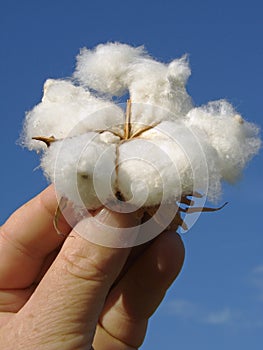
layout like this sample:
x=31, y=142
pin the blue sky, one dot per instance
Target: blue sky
x=217, y=302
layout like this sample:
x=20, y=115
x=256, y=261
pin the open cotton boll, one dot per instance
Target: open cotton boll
x=67, y=110
x=82, y=168
x=234, y=139
x=158, y=157
x=104, y=69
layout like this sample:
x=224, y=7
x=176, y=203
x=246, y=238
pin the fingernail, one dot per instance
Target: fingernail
x=116, y=219
x=110, y=229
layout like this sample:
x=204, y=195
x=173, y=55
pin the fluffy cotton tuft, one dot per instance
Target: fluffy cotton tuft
x=165, y=162
x=163, y=149
x=77, y=167
x=116, y=68
x=158, y=91
x=234, y=139
x=104, y=69
x=68, y=110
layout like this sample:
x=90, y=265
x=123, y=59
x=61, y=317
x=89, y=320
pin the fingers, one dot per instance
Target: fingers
x=27, y=238
x=12, y=300
x=72, y=293
x=136, y=297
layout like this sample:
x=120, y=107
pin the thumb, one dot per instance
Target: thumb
x=65, y=307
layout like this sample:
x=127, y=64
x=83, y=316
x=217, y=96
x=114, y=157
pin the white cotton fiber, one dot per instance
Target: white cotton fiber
x=167, y=161
x=234, y=139
x=159, y=88
x=115, y=68
x=160, y=84
x=179, y=70
x=104, y=69
x=163, y=148
x=71, y=165
x=67, y=110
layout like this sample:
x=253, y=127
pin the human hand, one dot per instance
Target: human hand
x=58, y=293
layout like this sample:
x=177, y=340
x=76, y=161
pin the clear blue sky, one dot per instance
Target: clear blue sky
x=217, y=302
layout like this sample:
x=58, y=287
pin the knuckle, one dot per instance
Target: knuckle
x=83, y=266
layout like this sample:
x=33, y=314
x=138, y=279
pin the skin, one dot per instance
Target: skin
x=68, y=293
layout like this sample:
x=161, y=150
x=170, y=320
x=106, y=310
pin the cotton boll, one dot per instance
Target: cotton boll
x=162, y=150
x=104, y=69
x=234, y=139
x=69, y=110
x=75, y=166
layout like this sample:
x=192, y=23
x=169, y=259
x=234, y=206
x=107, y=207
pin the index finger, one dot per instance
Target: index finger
x=27, y=238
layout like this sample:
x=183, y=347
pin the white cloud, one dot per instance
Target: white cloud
x=258, y=270
x=247, y=316
x=220, y=317
x=257, y=280
x=194, y=312
x=183, y=308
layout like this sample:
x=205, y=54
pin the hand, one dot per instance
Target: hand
x=58, y=293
